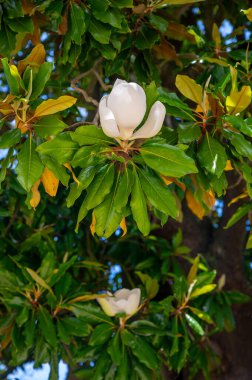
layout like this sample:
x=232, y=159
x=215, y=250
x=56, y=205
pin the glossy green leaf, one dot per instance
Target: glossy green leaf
x=100, y=187
x=167, y=159
x=77, y=23
x=49, y=126
x=21, y=25
x=61, y=148
x=99, y=31
x=239, y=213
x=157, y=193
x=47, y=326
x=41, y=78
x=101, y=334
x=89, y=135
x=30, y=166
x=12, y=81
x=138, y=206
x=212, y=155
x=194, y=324
x=10, y=138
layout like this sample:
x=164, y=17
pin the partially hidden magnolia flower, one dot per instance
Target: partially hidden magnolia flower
x=123, y=301
x=123, y=110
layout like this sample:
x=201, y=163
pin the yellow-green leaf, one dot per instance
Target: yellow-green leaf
x=238, y=101
x=248, y=13
x=202, y=315
x=193, y=271
x=39, y=280
x=189, y=88
x=87, y=297
x=51, y=106
x=205, y=289
x=216, y=36
x=177, y=2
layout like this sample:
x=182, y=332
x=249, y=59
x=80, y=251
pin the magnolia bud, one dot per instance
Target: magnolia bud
x=123, y=110
x=123, y=301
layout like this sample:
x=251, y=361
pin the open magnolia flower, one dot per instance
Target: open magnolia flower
x=123, y=301
x=123, y=110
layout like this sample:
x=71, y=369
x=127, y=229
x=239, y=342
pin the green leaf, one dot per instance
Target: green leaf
x=77, y=23
x=90, y=312
x=114, y=349
x=85, y=177
x=158, y=22
x=101, y=334
x=49, y=126
x=14, y=8
x=175, y=106
x=4, y=165
x=10, y=138
x=242, y=146
x=167, y=159
x=90, y=135
x=141, y=349
x=61, y=148
x=109, y=213
x=151, y=284
x=175, y=343
x=39, y=280
x=47, y=326
x=99, y=5
x=107, y=217
x=203, y=290
x=237, y=297
x=41, y=79
x=122, y=3
x=87, y=155
x=146, y=328
x=12, y=81
x=54, y=366
x=21, y=25
x=202, y=315
x=212, y=155
x=112, y=16
x=158, y=193
x=188, y=132
x=30, y=167
x=239, y=213
x=146, y=37
x=99, y=31
x=195, y=326
x=7, y=43
x=75, y=326
x=244, y=126
x=138, y=206
x=100, y=187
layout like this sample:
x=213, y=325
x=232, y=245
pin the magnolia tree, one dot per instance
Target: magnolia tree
x=126, y=185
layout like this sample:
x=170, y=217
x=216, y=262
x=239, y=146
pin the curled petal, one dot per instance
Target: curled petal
x=107, y=119
x=119, y=81
x=133, y=301
x=122, y=293
x=106, y=306
x=153, y=123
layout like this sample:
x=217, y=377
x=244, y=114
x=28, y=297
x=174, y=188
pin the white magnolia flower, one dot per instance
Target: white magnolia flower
x=123, y=301
x=123, y=110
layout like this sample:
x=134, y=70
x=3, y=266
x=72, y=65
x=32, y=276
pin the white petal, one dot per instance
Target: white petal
x=119, y=81
x=106, y=306
x=107, y=119
x=133, y=301
x=153, y=123
x=122, y=293
x=127, y=101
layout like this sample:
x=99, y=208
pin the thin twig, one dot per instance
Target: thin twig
x=88, y=98
x=73, y=126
